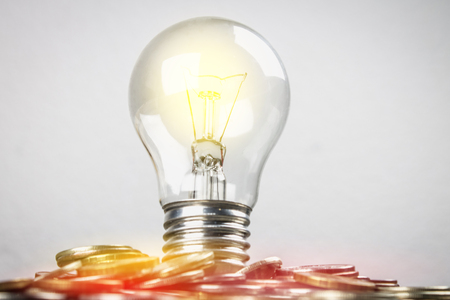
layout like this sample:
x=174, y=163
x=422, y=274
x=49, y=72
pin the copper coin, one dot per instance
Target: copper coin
x=363, y=278
x=325, y=268
x=263, y=269
x=227, y=289
x=384, y=281
x=386, y=285
x=281, y=277
x=350, y=274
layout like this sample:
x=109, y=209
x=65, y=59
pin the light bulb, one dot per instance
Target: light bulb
x=209, y=98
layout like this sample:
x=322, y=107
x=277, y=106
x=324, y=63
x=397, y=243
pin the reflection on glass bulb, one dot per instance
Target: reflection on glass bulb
x=209, y=98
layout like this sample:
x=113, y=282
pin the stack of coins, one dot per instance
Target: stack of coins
x=121, y=272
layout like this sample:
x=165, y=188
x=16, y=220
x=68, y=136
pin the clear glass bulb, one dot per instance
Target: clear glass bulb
x=209, y=98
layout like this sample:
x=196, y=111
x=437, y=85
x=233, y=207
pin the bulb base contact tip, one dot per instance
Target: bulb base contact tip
x=208, y=225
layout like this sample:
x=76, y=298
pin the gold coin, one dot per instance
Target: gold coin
x=328, y=281
x=172, y=267
x=68, y=286
x=61, y=271
x=124, y=266
x=184, y=263
x=15, y=284
x=88, y=248
x=69, y=258
x=110, y=257
x=180, y=278
x=65, y=276
x=162, y=294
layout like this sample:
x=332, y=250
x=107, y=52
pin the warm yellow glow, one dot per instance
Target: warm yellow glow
x=208, y=96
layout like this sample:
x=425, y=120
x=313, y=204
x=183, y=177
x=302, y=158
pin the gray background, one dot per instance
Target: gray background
x=360, y=174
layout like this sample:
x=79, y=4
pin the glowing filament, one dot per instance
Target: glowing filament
x=213, y=92
x=210, y=97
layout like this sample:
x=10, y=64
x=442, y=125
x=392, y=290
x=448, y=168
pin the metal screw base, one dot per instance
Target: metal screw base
x=208, y=225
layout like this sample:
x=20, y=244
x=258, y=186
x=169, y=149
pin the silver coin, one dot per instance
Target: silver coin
x=436, y=294
x=424, y=295
x=406, y=289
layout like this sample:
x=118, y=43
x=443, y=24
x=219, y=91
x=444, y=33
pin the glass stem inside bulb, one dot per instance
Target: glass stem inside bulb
x=209, y=179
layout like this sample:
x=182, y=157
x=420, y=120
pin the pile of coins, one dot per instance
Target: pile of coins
x=119, y=272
